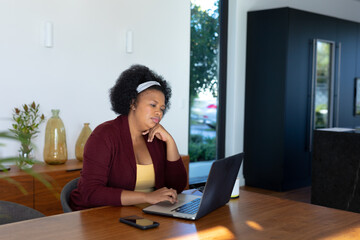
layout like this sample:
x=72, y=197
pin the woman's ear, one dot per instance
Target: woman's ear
x=133, y=105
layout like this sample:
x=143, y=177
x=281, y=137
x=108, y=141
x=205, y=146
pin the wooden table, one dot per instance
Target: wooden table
x=252, y=217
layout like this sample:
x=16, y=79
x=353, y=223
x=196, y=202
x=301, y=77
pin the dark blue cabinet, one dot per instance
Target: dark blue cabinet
x=348, y=38
x=279, y=65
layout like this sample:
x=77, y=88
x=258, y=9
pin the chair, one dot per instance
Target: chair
x=65, y=194
x=13, y=212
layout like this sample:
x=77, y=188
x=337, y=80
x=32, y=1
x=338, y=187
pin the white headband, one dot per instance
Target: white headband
x=146, y=85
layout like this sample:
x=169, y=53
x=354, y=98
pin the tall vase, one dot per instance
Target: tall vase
x=55, y=149
x=80, y=143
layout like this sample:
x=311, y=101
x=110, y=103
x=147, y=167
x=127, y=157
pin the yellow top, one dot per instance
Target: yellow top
x=145, y=178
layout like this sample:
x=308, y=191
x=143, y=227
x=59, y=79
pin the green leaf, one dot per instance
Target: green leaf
x=16, y=183
x=9, y=160
x=43, y=180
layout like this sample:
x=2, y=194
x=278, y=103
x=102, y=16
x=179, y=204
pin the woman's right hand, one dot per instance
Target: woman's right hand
x=161, y=195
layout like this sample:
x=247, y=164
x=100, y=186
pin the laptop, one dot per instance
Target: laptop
x=216, y=193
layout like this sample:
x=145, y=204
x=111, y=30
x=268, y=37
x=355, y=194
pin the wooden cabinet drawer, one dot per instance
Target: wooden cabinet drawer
x=10, y=192
x=47, y=201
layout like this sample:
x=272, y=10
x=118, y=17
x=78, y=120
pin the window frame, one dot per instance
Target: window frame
x=221, y=114
x=222, y=81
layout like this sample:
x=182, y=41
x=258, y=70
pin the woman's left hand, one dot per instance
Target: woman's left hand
x=158, y=131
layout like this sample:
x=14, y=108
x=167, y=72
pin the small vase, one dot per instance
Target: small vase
x=81, y=141
x=55, y=149
x=26, y=158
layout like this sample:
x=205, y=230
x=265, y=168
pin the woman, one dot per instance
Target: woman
x=132, y=159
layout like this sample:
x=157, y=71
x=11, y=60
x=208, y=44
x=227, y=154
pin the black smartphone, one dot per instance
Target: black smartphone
x=139, y=222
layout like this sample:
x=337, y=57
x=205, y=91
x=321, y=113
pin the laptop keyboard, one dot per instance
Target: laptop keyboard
x=190, y=207
x=201, y=188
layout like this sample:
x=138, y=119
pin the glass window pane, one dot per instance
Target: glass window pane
x=323, y=83
x=203, y=79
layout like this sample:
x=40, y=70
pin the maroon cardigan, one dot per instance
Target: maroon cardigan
x=110, y=166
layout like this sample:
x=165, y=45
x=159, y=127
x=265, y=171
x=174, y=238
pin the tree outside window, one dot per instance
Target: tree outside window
x=203, y=79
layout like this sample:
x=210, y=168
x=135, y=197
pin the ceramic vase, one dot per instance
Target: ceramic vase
x=81, y=141
x=55, y=149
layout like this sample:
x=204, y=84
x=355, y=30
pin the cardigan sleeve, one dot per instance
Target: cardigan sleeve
x=175, y=175
x=92, y=188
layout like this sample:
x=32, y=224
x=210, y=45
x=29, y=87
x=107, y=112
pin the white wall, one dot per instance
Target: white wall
x=345, y=9
x=88, y=56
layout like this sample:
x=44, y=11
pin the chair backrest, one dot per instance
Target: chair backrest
x=13, y=212
x=65, y=194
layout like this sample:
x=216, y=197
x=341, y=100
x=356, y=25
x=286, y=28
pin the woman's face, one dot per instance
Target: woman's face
x=149, y=108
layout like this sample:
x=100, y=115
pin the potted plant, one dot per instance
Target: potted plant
x=27, y=120
x=13, y=160
x=9, y=160
x=25, y=128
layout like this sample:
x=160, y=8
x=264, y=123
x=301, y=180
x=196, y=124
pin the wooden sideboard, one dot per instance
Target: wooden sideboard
x=38, y=196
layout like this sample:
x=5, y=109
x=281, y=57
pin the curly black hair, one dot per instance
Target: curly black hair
x=123, y=93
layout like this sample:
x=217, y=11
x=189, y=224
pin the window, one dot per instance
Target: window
x=207, y=85
x=323, y=84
